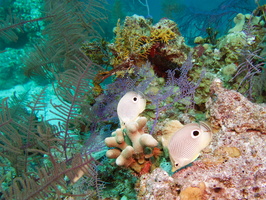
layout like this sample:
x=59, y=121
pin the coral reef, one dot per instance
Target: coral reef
x=120, y=182
x=232, y=167
x=174, y=79
x=237, y=58
x=241, y=19
x=137, y=41
x=227, y=49
x=234, y=112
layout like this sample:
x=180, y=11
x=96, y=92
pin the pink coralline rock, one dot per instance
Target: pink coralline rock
x=234, y=112
x=225, y=174
x=233, y=166
x=157, y=185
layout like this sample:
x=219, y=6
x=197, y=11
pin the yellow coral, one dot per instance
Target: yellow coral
x=195, y=193
x=136, y=38
x=162, y=35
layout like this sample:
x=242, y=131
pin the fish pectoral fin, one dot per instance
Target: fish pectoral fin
x=182, y=163
x=195, y=157
x=174, y=169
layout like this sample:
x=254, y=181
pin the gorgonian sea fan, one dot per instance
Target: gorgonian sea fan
x=177, y=87
x=250, y=67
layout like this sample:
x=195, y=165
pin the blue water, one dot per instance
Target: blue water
x=192, y=16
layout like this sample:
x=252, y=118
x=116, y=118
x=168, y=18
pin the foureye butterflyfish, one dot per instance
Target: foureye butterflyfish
x=185, y=145
x=130, y=106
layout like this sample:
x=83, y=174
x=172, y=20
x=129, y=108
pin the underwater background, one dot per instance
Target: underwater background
x=67, y=64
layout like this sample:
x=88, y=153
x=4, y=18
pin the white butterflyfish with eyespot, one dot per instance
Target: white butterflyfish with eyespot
x=186, y=144
x=130, y=106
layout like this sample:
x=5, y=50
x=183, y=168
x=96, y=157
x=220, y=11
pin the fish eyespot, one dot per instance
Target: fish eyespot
x=135, y=99
x=195, y=133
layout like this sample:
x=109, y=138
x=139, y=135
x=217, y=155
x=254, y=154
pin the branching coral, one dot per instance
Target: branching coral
x=131, y=145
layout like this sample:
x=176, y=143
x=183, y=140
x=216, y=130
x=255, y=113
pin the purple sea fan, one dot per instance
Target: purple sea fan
x=179, y=88
x=250, y=67
x=186, y=88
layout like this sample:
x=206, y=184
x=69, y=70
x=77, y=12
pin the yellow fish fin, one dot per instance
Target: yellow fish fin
x=195, y=157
